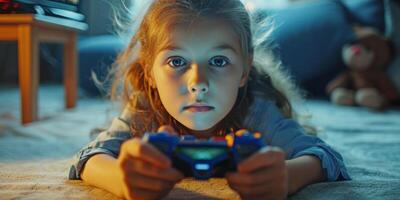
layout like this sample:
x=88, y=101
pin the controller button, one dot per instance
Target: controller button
x=257, y=135
x=241, y=132
x=202, y=166
x=218, y=139
x=229, y=140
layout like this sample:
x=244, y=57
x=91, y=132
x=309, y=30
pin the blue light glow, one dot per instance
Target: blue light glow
x=202, y=166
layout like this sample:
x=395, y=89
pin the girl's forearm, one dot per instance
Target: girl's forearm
x=101, y=171
x=303, y=171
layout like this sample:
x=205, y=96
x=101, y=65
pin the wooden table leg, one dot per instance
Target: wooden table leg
x=70, y=71
x=28, y=72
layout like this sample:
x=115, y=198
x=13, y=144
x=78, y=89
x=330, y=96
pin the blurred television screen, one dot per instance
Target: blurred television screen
x=68, y=9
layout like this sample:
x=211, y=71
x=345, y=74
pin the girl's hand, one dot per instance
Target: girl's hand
x=261, y=176
x=146, y=173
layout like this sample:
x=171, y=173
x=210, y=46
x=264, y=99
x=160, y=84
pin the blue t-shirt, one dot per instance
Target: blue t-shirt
x=264, y=116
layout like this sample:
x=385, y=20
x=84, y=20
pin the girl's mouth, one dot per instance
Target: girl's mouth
x=198, y=107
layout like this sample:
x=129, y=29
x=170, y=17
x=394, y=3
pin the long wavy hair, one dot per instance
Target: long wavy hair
x=131, y=71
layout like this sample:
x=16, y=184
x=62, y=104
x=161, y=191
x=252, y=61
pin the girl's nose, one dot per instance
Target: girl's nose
x=199, y=88
x=198, y=81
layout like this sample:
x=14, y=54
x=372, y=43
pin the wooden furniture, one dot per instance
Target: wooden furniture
x=29, y=30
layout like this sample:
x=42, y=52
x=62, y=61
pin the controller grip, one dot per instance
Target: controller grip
x=244, y=151
x=246, y=144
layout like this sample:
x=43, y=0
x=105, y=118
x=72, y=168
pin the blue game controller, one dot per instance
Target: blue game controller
x=203, y=159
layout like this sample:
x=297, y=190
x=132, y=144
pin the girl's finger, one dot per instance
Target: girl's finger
x=263, y=196
x=150, y=183
x=267, y=188
x=168, y=129
x=139, y=149
x=146, y=169
x=249, y=191
x=254, y=178
x=139, y=193
x=267, y=156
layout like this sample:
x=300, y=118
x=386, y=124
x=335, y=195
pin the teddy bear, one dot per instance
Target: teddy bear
x=365, y=81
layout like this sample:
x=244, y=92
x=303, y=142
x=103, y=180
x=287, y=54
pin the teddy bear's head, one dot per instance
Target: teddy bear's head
x=370, y=51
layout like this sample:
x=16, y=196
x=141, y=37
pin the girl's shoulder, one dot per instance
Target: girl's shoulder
x=262, y=111
x=130, y=120
x=261, y=104
x=121, y=123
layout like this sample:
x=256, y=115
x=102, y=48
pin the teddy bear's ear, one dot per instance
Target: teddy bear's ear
x=378, y=44
x=362, y=32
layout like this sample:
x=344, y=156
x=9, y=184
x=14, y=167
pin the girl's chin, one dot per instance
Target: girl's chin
x=201, y=129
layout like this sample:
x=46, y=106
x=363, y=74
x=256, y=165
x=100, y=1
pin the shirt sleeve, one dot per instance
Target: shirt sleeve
x=107, y=142
x=287, y=134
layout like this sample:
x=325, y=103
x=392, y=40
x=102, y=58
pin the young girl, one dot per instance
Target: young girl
x=193, y=67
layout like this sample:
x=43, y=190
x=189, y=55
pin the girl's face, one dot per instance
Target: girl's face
x=199, y=72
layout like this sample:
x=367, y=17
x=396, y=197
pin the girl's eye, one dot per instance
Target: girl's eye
x=219, y=61
x=176, y=62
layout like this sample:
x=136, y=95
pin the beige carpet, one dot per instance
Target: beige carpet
x=46, y=179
